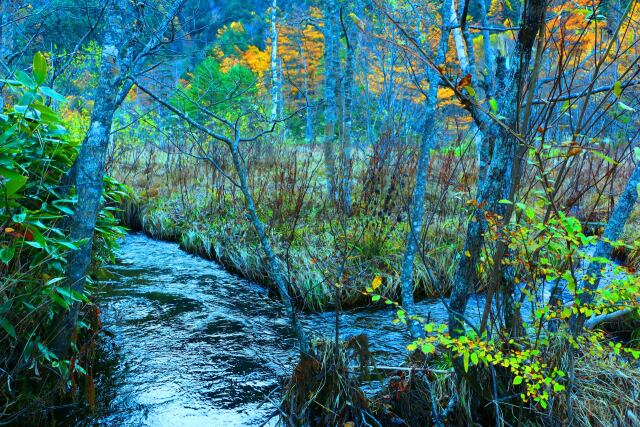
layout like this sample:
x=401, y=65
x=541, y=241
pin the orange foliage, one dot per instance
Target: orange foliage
x=256, y=60
x=301, y=51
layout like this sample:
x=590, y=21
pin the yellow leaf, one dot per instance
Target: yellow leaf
x=574, y=150
x=376, y=282
x=467, y=254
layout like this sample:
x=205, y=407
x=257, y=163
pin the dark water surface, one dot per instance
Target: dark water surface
x=193, y=345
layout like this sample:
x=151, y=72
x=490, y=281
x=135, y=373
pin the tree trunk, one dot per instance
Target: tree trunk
x=275, y=75
x=347, y=121
x=612, y=232
x=331, y=66
x=416, y=211
x=274, y=263
x=458, y=39
x=308, y=112
x=89, y=170
x=498, y=181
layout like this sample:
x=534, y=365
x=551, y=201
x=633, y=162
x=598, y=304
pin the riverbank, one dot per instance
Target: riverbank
x=309, y=258
x=226, y=237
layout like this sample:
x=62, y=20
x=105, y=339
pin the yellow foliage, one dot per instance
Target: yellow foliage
x=301, y=51
x=256, y=60
x=237, y=27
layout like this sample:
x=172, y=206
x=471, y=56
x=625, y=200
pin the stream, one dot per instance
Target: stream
x=190, y=344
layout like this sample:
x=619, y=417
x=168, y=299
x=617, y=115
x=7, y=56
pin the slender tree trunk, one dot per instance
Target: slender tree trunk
x=458, y=39
x=89, y=170
x=272, y=259
x=487, y=48
x=282, y=128
x=612, y=232
x=275, y=76
x=308, y=113
x=331, y=65
x=415, y=220
x=416, y=211
x=347, y=122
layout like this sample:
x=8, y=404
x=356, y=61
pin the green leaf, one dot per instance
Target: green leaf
x=7, y=134
x=7, y=254
x=603, y=157
x=474, y=358
x=64, y=209
x=428, y=348
x=59, y=300
x=471, y=91
x=19, y=218
x=617, y=89
x=625, y=107
x=494, y=105
x=35, y=245
x=54, y=280
x=517, y=380
x=67, y=245
x=25, y=79
x=375, y=298
x=465, y=361
x=8, y=327
x=39, y=68
x=11, y=181
x=47, y=91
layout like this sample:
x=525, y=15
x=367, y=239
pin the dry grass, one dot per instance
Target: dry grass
x=607, y=393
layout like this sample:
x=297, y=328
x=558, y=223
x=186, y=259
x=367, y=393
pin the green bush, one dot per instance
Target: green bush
x=36, y=154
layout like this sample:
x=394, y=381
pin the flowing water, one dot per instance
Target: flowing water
x=189, y=344
x=193, y=345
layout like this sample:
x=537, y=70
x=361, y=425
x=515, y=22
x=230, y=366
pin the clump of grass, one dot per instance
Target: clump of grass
x=324, y=390
x=607, y=392
x=130, y=213
x=159, y=224
x=198, y=243
x=410, y=396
